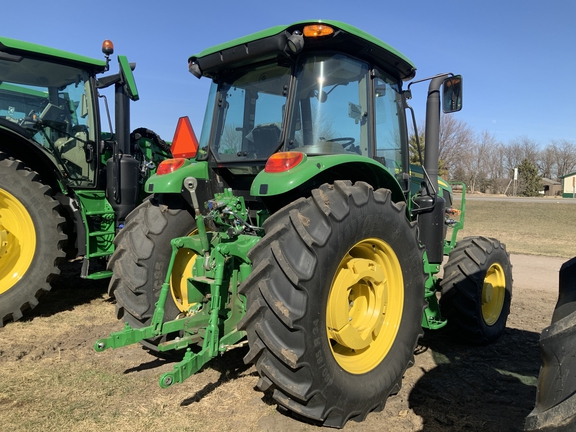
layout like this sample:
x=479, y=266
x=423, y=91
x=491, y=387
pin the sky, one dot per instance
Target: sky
x=517, y=57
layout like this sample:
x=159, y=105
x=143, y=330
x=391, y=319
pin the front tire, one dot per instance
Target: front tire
x=477, y=289
x=31, y=239
x=140, y=262
x=334, y=303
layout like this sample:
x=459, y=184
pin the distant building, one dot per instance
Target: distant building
x=551, y=187
x=569, y=185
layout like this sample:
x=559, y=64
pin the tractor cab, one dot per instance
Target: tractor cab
x=52, y=103
x=307, y=89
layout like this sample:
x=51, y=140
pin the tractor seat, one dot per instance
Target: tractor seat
x=265, y=139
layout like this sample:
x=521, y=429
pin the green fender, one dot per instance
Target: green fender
x=172, y=182
x=315, y=170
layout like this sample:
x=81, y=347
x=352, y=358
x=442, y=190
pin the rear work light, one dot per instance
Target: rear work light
x=184, y=144
x=283, y=161
x=169, y=165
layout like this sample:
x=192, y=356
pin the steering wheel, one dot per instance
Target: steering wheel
x=30, y=121
x=346, y=141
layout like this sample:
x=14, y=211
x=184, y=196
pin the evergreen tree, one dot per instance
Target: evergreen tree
x=415, y=158
x=530, y=184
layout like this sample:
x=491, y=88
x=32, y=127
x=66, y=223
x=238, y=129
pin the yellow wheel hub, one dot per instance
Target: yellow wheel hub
x=181, y=271
x=493, y=294
x=365, y=305
x=17, y=240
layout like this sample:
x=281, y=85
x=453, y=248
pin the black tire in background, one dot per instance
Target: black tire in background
x=298, y=292
x=477, y=289
x=141, y=258
x=27, y=212
x=555, y=408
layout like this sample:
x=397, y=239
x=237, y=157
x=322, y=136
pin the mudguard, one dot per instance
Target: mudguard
x=555, y=408
x=172, y=182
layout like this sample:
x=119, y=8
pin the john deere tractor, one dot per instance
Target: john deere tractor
x=65, y=186
x=297, y=226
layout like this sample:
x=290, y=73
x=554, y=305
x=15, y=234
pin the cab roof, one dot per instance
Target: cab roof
x=270, y=43
x=14, y=48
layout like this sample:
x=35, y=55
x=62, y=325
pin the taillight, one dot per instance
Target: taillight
x=280, y=162
x=184, y=144
x=169, y=165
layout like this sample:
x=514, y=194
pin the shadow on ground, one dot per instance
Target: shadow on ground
x=68, y=291
x=478, y=388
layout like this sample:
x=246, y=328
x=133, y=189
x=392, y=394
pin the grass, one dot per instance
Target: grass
x=546, y=228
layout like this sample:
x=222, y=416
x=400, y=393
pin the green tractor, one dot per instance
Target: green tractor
x=297, y=226
x=65, y=186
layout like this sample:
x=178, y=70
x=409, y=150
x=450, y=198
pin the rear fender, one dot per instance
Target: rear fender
x=172, y=182
x=18, y=146
x=316, y=170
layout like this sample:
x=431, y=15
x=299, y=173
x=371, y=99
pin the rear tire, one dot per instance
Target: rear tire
x=140, y=262
x=324, y=358
x=31, y=239
x=477, y=289
x=555, y=408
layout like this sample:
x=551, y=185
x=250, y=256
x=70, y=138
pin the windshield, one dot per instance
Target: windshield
x=251, y=108
x=331, y=110
x=53, y=102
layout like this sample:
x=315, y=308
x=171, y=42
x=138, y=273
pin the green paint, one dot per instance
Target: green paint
x=458, y=220
x=269, y=184
x=129, y=77
x=432, y=318
x=218, y=271
x=98, y=218
x=276, y=30
x=172, y=182
x=17, y=47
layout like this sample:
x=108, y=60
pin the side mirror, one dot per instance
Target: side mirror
x=452, y=94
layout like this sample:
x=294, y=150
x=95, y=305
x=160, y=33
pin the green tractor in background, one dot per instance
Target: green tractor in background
x=297, y=226
x=65, y=186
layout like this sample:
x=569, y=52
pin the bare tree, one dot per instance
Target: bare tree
x=547, y=162
x=565, y=152
x=480, y=164
x=498, y=175
x=519, y=149
x=455, y=137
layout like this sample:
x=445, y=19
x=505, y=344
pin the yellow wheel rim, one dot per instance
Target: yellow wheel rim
x=17, y=240
x=493, y=294
x=365, y=305
x=181, y=271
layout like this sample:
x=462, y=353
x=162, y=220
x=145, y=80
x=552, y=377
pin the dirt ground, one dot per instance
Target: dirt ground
x=53, y=380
